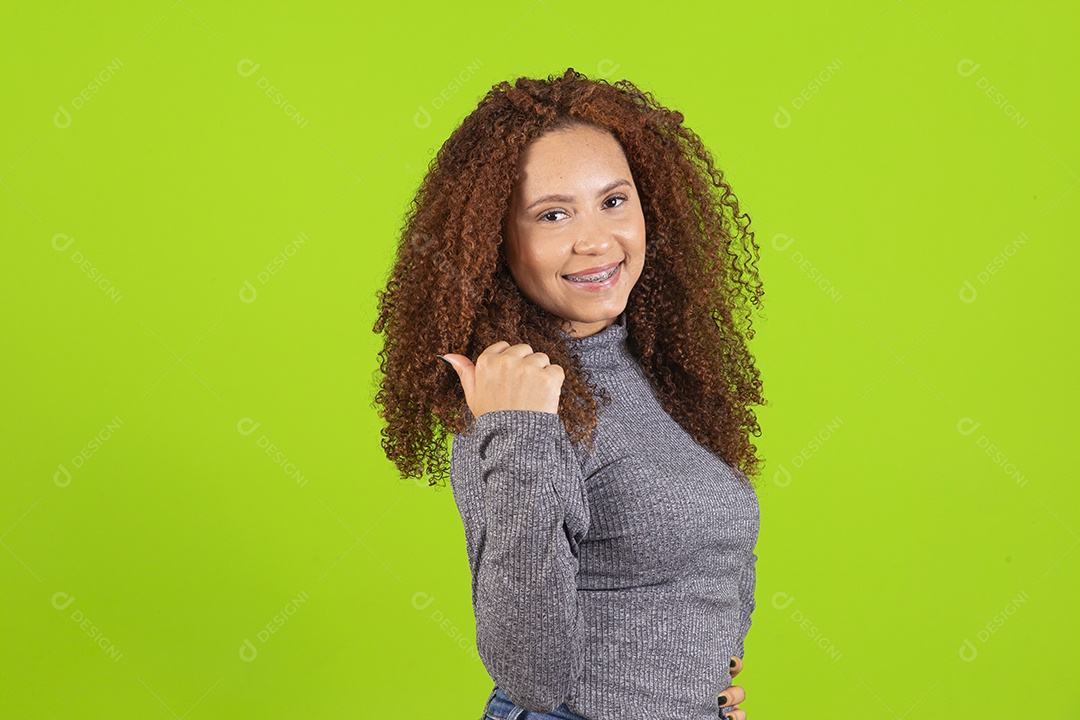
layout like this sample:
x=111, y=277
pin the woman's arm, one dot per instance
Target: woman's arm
x=520, y=491
x=747, y=583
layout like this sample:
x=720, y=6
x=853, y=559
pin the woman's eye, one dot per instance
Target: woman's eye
x=549, y=213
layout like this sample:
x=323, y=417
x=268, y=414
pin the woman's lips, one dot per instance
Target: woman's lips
x=599, y=286
x=595, y=271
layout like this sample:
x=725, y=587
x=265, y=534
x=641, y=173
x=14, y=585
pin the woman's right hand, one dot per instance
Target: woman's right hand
x=734, y=694
x=509, y=377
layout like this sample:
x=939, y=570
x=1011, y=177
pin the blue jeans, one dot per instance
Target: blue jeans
x=500, y=707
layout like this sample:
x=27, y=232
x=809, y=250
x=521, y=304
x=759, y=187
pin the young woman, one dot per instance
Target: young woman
x=577, y=259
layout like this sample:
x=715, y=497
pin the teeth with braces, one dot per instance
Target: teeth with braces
x=594, y=278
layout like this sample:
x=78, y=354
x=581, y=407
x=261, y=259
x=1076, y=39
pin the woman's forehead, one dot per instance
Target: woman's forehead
x=558, y=163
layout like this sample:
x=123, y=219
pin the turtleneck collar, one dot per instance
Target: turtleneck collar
x=607, y=349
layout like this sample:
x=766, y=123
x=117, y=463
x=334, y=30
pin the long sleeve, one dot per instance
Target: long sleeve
x=520, y=491
x=747, y=583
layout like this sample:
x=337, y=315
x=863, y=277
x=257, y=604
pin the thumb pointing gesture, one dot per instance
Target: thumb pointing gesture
x=466, y=373
x=508, y=377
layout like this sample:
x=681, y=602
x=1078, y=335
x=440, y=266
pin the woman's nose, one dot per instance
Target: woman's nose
x=595, y=235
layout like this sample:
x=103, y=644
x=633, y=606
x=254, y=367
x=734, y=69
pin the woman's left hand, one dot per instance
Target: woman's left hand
x=732, y=696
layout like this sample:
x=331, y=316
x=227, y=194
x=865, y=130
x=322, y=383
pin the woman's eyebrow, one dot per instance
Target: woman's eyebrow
x=568, y=198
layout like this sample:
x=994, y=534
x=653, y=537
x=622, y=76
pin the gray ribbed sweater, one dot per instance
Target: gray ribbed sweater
x=619, y=583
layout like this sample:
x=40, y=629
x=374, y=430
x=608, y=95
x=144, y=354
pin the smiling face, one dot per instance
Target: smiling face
x=576, y=208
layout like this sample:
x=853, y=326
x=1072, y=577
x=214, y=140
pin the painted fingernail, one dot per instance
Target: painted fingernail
x=722, y=699
x=733, y=662
x=445, y=360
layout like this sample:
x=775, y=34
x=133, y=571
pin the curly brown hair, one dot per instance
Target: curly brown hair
x=451, y=290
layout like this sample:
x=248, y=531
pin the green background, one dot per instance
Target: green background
x=200, y=201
